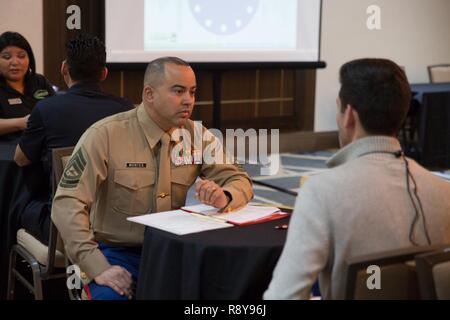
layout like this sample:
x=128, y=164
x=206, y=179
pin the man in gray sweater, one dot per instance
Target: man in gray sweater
x=362, y=205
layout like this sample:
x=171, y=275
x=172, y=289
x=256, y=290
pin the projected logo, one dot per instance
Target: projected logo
x=224, y=17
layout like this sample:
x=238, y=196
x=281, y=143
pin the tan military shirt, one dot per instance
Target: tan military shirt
x=112, y=175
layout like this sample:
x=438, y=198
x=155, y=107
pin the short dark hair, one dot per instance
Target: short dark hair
x=156, y=69
x=379, y=92
x=15, y=39
x=86, y=57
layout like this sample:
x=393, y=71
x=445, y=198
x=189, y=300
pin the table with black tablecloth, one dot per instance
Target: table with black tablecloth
x=16, y=187
x=231, y=263
x=11, y=183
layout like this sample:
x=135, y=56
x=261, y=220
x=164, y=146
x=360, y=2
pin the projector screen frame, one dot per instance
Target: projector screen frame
x=227, y=65
x=222, y=66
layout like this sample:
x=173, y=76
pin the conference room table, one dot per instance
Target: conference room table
x=11, y=182
x=230, y=264
x=16, y=188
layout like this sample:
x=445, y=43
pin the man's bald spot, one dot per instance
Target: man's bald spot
x=156, y=71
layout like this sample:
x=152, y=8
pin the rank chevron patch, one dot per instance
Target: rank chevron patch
x=73, y=171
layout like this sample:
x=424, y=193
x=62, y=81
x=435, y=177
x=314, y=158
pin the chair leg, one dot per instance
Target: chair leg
x=37, y=281
x=11, y=275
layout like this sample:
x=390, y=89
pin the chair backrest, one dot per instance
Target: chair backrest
x=433, y=270
x=397, y=274
x=439, y=73
x=59, y=156
x=434, y=130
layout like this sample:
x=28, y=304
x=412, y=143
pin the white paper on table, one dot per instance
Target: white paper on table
x=179, y=222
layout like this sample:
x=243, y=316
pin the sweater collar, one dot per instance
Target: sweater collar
x=363, y=146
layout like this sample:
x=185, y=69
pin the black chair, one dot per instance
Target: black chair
x=398, y=279
x=433, y=270
x=434, y=130
x=439, y=73
x=46, y=262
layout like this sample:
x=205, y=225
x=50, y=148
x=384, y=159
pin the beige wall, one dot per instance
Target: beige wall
x=414, y=33
x=25, y=17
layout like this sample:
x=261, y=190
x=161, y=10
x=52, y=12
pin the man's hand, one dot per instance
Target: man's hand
x=211, y=193
x=118, y=279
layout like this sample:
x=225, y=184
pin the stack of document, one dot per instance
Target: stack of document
x=201, y=217
x=250, y=214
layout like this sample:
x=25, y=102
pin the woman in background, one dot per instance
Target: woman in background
x=20, y=87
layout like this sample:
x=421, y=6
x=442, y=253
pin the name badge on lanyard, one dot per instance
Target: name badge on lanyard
x=14, y=101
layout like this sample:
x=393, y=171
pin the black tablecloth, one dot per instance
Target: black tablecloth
x=231, y=263
x=10, y=182
x=16, y=188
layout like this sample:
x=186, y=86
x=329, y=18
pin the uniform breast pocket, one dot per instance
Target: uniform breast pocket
x=184, y=175
x=133, y=191
x=182, y=178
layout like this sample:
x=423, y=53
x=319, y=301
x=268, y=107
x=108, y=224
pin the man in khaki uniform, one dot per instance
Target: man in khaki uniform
x=122, y=167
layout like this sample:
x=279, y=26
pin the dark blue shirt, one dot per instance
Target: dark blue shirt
x=59, y=121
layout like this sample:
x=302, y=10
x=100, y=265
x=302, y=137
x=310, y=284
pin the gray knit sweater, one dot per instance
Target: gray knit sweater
x=361, y=206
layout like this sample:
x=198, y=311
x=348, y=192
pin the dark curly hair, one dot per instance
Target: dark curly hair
x=86, y=57
x=15, y=39
x=379, y=91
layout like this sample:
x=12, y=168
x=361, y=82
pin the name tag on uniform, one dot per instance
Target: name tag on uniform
x=136, y=165
x=14, y=101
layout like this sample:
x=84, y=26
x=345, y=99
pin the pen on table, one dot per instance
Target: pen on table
x=229, y=209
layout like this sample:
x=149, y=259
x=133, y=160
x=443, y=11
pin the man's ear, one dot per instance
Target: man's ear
x=349, y=117
x=148, y=93
x=104, y=74
x=64, y=69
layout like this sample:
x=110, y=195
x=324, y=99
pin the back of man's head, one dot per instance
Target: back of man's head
x=86, y=57
x=155, y=72
x=379, y=92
